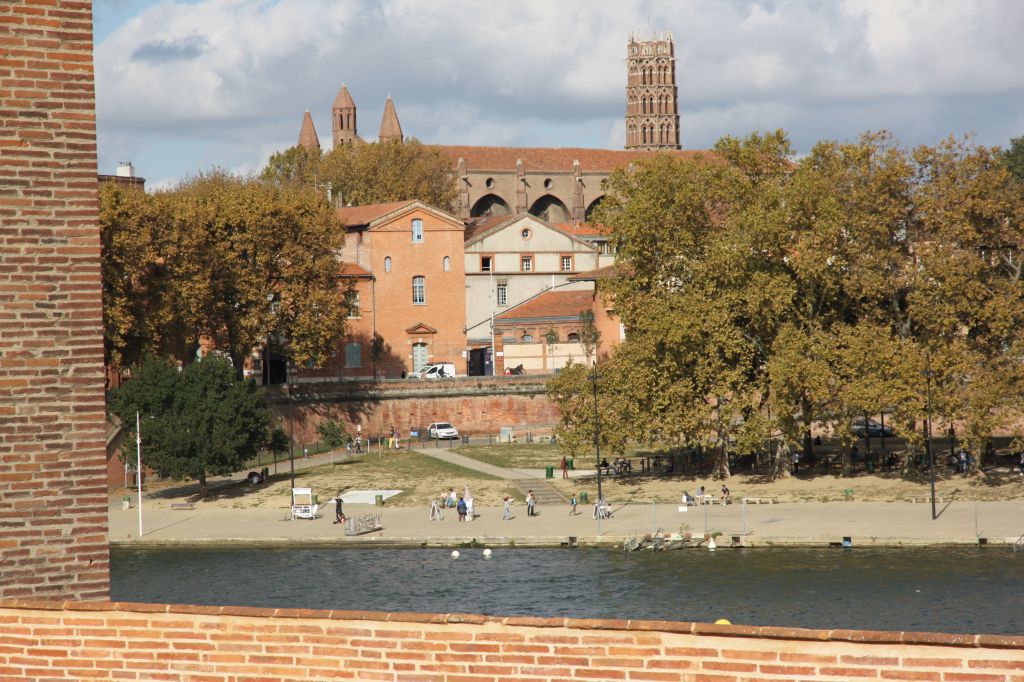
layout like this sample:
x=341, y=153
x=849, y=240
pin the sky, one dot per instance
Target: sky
x=186, y=86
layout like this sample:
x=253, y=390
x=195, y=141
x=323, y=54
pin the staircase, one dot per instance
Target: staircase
x=543, y=492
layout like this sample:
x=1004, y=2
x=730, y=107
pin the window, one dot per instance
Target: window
x=526, y=233
x=486, y=263
x=352, y=301
x=526, y=264
x=419, y=289
x=447, y=264
x=353, y=355
x=573, y=337
x=502, y=294
x=387, y=264
x=417, y=230
x=566, y=263
x=548, y=183
x=527, y=338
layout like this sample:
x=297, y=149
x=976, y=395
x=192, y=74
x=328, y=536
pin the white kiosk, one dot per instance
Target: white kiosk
x=304, y=504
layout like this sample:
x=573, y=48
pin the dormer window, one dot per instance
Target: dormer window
x=417, y=230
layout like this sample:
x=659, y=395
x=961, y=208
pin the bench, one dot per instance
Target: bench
x=182, y=505
x=938, y=499
x=758, y=500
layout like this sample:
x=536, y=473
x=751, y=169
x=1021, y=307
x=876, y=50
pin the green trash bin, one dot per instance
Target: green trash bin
x=378, y=500
x=871, y=466
x=549, y=471
x=583, y=497
x=315, y=499
x=571, y=465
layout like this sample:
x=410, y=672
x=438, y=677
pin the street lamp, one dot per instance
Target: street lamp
x=928, y=374
x=291, y=428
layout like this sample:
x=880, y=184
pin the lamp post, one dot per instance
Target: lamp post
x=291, y=430
x=928, y=429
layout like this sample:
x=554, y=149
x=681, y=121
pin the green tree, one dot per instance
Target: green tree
x=196, y=422
x=1013, y=157
x=333, y=434
x=382, y=172
x=295, y=165
x=221, y=259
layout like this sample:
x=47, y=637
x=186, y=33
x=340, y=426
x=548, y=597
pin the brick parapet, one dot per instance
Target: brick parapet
x=114, y=640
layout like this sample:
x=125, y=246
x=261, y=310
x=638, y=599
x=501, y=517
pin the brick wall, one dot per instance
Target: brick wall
x=43, y=641
x=52, y=498
x=477, y=406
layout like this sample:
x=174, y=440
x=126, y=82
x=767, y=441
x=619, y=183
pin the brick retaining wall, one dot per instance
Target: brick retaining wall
x=44, y=641
x=53, y=505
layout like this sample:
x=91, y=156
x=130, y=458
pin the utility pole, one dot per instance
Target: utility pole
x=928, y=429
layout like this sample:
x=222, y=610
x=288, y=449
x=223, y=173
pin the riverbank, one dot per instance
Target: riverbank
x=812, y=524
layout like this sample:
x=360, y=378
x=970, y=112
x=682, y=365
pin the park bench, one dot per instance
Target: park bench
x=758, y=500
x=182, y=505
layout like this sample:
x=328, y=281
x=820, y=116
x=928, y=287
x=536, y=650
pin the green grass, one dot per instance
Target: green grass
x=515, y=456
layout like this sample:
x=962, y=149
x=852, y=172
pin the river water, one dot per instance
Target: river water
x=969, y=590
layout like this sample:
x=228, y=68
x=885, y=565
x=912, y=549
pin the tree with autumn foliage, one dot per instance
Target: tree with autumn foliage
x=224, y=260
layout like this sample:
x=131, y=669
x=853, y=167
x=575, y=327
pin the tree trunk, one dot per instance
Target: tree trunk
x=783, y=460
x=846, y=468
x=203, y=489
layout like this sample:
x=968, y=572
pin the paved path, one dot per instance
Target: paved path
x=523, y=479
x=819, y=524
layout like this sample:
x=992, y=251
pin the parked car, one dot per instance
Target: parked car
x=869, y=428
x=436, y=370
x=442, y=430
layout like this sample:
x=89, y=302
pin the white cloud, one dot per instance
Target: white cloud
x=226, y=81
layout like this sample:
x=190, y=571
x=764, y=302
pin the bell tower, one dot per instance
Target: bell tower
x=652, y=98
x=343, y=118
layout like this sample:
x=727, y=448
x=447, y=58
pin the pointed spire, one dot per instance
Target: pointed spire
x=307, y=133
x=344, y=99
x=390, y=128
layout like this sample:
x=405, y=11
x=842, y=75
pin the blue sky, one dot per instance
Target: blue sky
x=186, y=86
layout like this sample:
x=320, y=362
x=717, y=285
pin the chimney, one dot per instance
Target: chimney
x=125, y=169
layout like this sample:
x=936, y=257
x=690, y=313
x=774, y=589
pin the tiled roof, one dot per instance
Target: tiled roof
x=390, y=128
x=583, y=229
x=344, y=99
x=354, y=270
x=549, y=158
x=551, y=304
x=307, y=133
x=477, y=226
x=354, y=216
x=606, y=272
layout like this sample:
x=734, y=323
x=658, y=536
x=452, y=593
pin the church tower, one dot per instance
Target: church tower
x=652, y=99
x=390, y=128
x=343, y=118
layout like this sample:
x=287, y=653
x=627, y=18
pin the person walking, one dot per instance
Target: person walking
x=460, y=507
x=565, y=467
x=572, y=505
x=531, y=504
x=339, y=514
x=391, y=438
x=398, y=440
x=796, y=462
x=507, y=515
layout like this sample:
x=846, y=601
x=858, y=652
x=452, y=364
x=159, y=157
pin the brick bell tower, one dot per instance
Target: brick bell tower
x=652, y=98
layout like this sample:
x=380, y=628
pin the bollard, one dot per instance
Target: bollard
x=378, y=500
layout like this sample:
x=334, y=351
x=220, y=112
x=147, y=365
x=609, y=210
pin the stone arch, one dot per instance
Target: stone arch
x=592, y=207
x=551, y=209
x=490, y=204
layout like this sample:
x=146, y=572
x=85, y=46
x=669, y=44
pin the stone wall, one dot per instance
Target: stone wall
x=103, y=641
x=53, y=501
x=477, y=406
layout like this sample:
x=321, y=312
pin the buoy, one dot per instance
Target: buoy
x=487, y=553
x=455, y=554
x=722, y=621
x=711, y=545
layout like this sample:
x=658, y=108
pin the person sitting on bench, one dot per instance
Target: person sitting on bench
x=604, y=465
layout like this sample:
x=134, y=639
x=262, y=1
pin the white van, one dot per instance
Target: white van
x=436, y=370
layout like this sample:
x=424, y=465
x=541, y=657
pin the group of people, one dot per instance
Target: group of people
x=448, y=499
x=961, y=461
x=702, y=496
x=620, y=466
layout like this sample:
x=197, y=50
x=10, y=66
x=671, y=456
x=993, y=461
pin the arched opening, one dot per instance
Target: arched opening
x=572, y=337
x=488, y=205
x=643, y=105
x=643, y=134
x=551, y=209
x=446, y=263
x=592, y=207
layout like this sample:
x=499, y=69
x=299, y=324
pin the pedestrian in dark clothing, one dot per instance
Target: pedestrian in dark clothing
x=339, y=514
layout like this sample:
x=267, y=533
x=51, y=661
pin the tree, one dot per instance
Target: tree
x=333, y=434
x=382, y=172
x=225, y=260
x=1013, y=157
x=293, y=166
x=196, y=422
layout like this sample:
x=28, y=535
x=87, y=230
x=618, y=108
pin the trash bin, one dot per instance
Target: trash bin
x=570, y=464
x=314, y=499
x=871, y=466
x=126, y=502
x=549, y=471
x=584, y=498
x=378, y=500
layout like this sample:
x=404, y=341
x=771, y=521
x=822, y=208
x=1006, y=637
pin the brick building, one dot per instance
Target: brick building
x=404, y=273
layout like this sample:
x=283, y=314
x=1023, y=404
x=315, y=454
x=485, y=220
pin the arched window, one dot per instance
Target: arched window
x=447, y=264
x=643, y=134
x=387, y=264
x=572, y=337
x=527, y=338
x=419, y=289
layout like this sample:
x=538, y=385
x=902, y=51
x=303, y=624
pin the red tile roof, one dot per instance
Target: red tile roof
x=606, y=272
x=583, y=229
x=477, y=226
x=549, y=158
x=354, y=216
x=354, y=270
x=552, y=304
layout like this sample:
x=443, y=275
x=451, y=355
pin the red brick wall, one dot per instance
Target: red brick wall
x=42, y=641
x=52, y=498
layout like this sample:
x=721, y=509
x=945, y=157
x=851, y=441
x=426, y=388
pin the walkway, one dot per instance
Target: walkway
x=524, y=480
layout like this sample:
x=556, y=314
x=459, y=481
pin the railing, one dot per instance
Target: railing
x=1018, y=544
